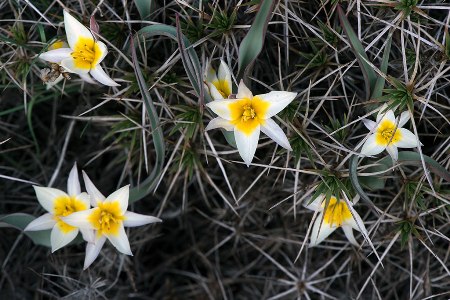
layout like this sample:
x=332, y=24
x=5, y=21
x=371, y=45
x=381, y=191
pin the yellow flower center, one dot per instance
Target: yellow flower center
x=336, y=213
x=387, y=133
x=63, y=207
x=222, y=87
x=56, y=45
x=247, y=114
x=107, y=218
x=86, y=53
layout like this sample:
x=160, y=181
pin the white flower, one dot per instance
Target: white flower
x=247, y=115
x=220, y=85
x=108, y=218
x=84, y=55
x=387, y=134
x=336, y=215
x=59, y=205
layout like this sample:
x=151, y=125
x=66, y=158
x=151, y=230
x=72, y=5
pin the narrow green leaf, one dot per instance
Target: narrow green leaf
x=145, y=8
x=379, y=85
x=370, y=77
x=20, y=221
x=253, y=42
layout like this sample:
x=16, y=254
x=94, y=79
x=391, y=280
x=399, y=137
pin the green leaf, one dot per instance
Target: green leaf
x=20, y=221
x=370, y=77
x=253, y=42
x=145, y=8
x=379, y=85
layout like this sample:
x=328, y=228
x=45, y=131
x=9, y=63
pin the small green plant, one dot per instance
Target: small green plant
x=189, y=119
x=222, y=22
x=406, y=6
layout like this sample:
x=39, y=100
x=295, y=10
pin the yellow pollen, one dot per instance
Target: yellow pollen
x=337, y=212
x=387, y=133
x=86, y=53
x=249, y=113
x=63, y=207
x=107, y=218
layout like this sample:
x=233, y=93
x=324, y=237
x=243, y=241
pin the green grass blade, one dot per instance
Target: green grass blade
x=253, y=42
x=379, y=84
x=145, y=8
x=370, y=77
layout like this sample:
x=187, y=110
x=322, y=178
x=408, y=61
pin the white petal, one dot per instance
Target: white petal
x=73, y=183
x=278, y=100
x=247, y=144
x=349, y=234
x=224, y=73
x=100, y=75
x=221, y=108
x=389, y=115
x=88, y=235
x=44, y=222
x=381, y=112
x=272, y=130
x=85, y=198
x=318, y=235
x=86, y=77
x=120, y=241
x=393, y=151
x=47, y=196
x=371, y=125
x=132, y=219
x=57, y=55
x=92, y=190
x=69, y=65
x=371, y=147
x=404, y=117
x=210, y=74
x=80, y=218
x=74, y=30
x=243, y=91
x=103, y=51
x=356, y=222
x=408, y=139
x=219, y=123
x=59, y=239
x=316, y=204
x=214, y=92
x=121, y=195
x=92, y=251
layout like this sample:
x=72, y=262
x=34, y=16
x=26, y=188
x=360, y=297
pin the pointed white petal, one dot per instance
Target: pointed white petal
x=47, y=196
x=93, y=250
x=73, y=183
x=381, y=112
x=74, y=30
x=101, y=47
x=100, y=75
x=272, y=130
x=80, y=218
x=393, y=151
x=88, y=235
x=44, y=222
x=224, y=73
x=132, y=219
x=85, y=198
x=349, y=234
x=408, y=139
x=404, y=117
x=371, y=125
x=214, y=92
x=120, y=241
x=59, y=239
x=69, y=65
x=316, y=204
x=210, y=74
x=389, y=115
x=57, y=55
x=221, y=108
x=121, y=195
x=92, y=190
x=356, y=223
x=247, y=144
x=86, y=77
x=243, y=91
x=371, y=147
x=219, y=123
x=319, y=233
x=278, y=100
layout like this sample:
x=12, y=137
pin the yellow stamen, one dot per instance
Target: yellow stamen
x=107, y=218
x=387, y=133
x=247, y=114
x=63, y=207
x=86, y=53
x=336, y=213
